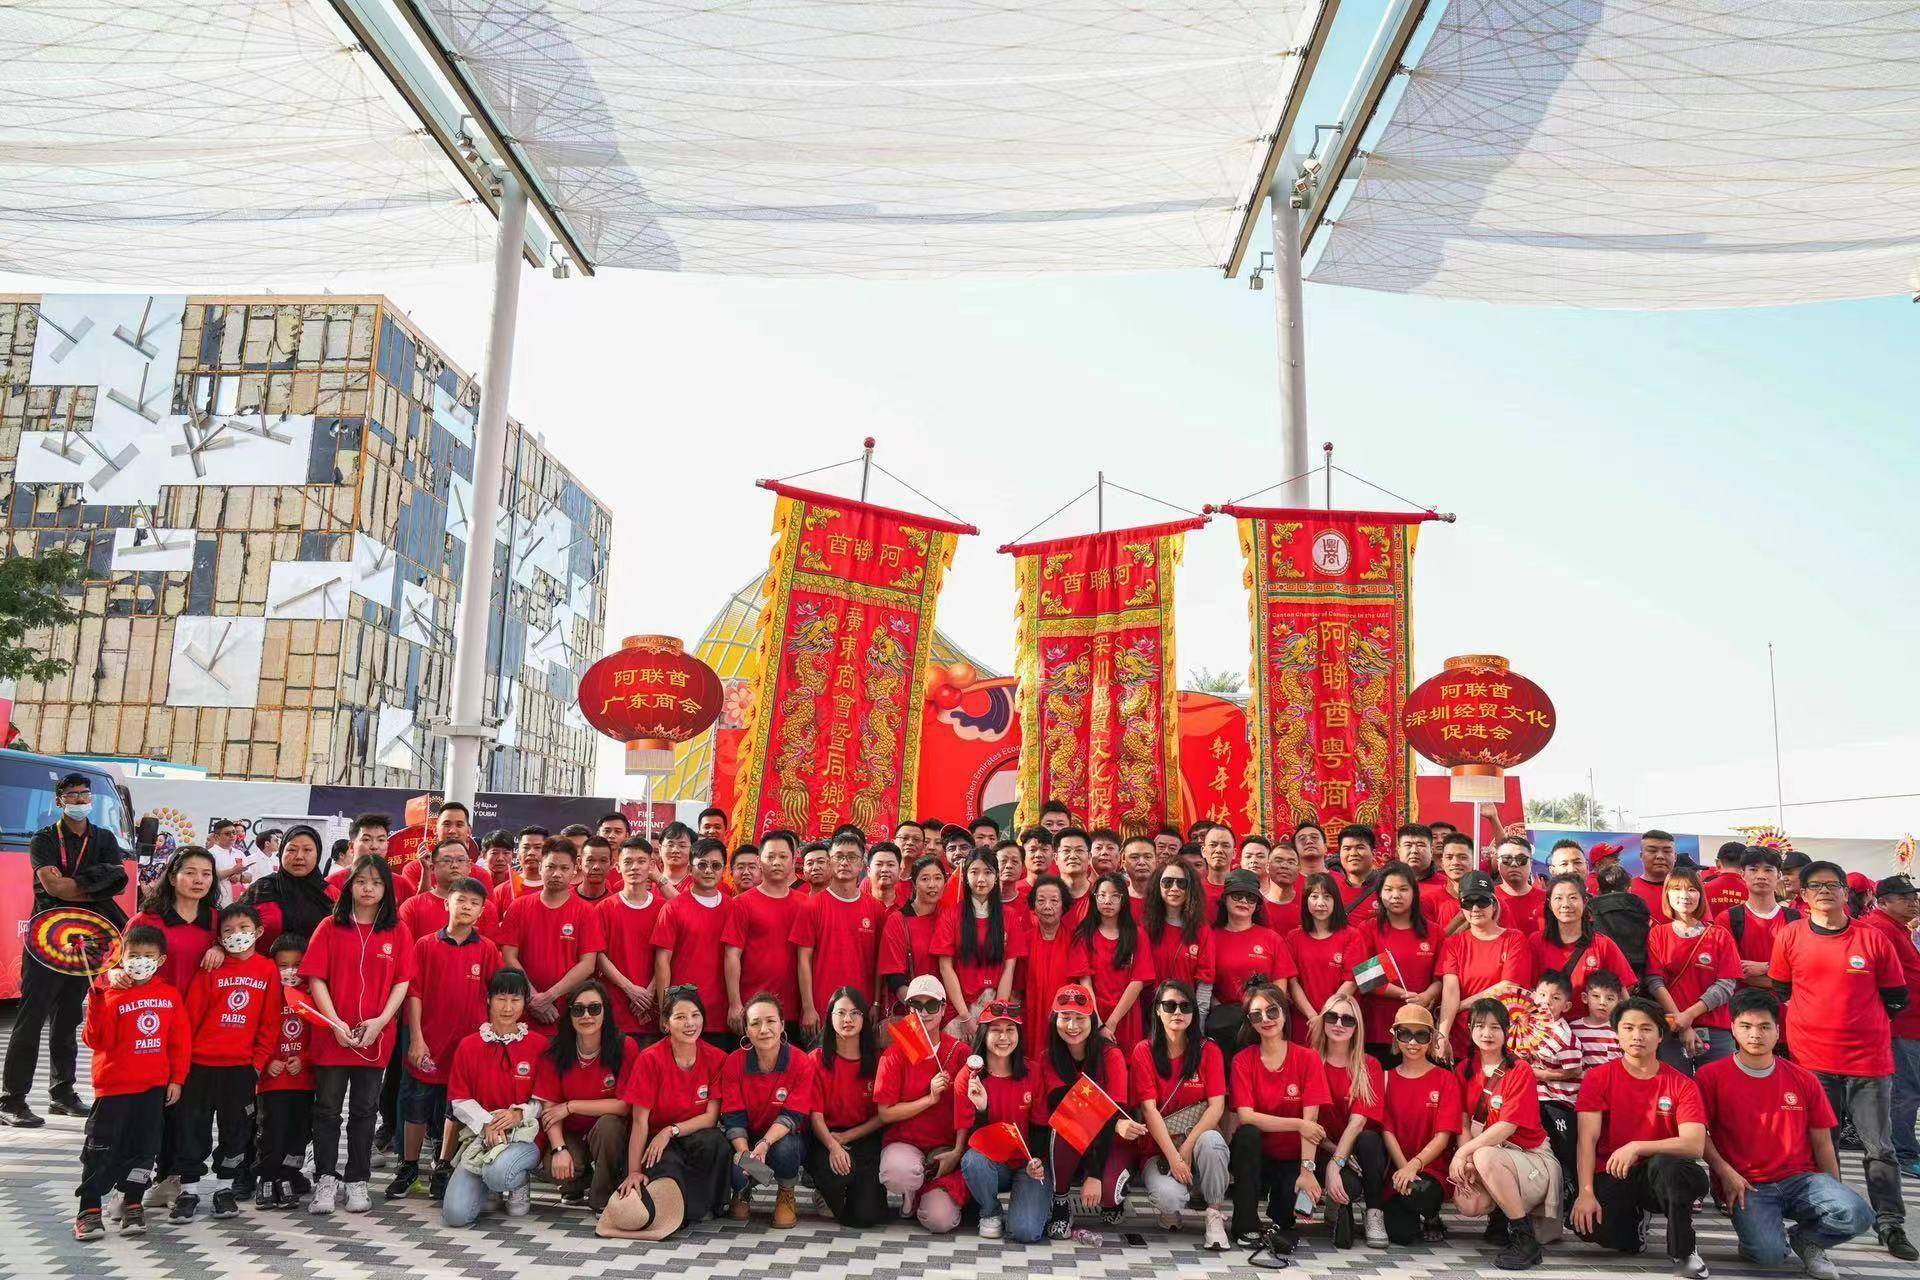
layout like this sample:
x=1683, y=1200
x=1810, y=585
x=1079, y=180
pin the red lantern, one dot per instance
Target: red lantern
x=651, y=692
x=1478, y=717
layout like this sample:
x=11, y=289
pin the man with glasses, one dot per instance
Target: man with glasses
x=687, y=938
x=836, y=934
x=1897, y=906
x=1846, y=985
x=1310, y=842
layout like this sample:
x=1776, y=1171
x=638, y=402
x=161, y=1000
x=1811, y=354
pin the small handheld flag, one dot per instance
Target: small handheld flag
x=1001, y=1143
x=912, y=1038
x=1083, y=1113
x=302, y=1003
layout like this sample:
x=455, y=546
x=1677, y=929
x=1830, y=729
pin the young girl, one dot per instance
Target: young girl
x=1178, y=932
x=1180, y=1085
x=1244, y=950
x=1353, y=1158
x=1076, y=1047
x=1324, y=949
x=674, y=1089
x=358, y=967
x=1122, y=960
x=1567, y=943
x=585, y=1120
x=1001, y=1091
x=1422, y=1119
x=919, y=1161
x=1278, y=1090
x=974, y=952
x=844, y=1157
x=906, y=943
x=1503, y=1167
x=490, y=1096
x=1693, y=968
x=766, y=1095
x=1398, y=930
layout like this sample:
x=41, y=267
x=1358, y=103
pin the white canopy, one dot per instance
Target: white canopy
x=776, y=137
x=1646, y=154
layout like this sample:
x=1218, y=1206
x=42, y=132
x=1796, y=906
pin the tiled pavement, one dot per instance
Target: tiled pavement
x=38, y=1169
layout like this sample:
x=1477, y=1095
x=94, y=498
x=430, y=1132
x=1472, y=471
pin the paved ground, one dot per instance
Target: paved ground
x=38, y=1169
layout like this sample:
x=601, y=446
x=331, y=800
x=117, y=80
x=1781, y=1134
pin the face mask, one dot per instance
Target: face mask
x=237, y=942
x=140, y=968
x=289, y=975
x=77, y=811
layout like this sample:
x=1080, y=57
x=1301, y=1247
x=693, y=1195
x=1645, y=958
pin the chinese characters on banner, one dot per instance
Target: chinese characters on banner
x=1331, y=663
x=833, y=733
x=1097, y=695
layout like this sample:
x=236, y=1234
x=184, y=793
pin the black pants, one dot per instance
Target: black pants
x=858, y=1199
x=212, y=1095
x=1659, y=1184
x=1365, y=1173
x=121, y=1146
x=1406, y=1214
x=357, y=1091
x=390, y=1082
x=699, y=1162
x=45, y=997
x=1563, y=1135
x=286, y=1121
x=1257, y=1175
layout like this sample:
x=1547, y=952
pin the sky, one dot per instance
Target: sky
x=1645, y=501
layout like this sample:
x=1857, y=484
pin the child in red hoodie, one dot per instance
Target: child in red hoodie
x=234, y=1013
x=137, y=1029
x=285, y=1092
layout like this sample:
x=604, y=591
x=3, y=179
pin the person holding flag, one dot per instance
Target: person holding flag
x=1079, y=1076
x=920, y=1159
x=1403, y=957
x=992, y=1105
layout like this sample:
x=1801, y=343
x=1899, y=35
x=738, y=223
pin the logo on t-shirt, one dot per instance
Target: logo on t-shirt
x=523, y=1068
x=780, y=1094
x=866, y=924
x=566, y=931
x=1193, y=949
x=147, y=1023
x=1259, y=949
x=1789, y=1099
x=1339, y=957
x=607, y=1081
x=386, y=948
x=1495, y=1101
x=701, y=1093
x=1293, y=1090
x=1026, y=1099
x=473, y=971
x=1665, y=1104
x=1856, y=963
x=1433, y=1098
x=1705, y=958
x=290, y=1028
x=1426, y=948
x=238, y=1000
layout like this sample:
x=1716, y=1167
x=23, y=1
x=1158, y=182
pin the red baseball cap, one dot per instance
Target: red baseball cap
x=1073, y=998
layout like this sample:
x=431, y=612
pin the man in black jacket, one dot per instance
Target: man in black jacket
x=75, y=864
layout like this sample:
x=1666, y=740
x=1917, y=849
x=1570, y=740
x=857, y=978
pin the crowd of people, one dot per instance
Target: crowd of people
x=957, y=1027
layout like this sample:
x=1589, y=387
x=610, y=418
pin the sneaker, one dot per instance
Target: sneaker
x=1060, y=1220
x=573, y=1193
x=243, y=1184
x=1692, y=1267
x=1497, y=1232
x=1340, y=1218
x=383, y=1139
x=741, y=1207
x=1110, y=1214
x=437, y=1184
x=1911, y=1168
x=1433, y=1231
x=267, y=1196
x=786, y=1213
x=326, y=1192
x=162, y=1193
x=1522, y=1250
x=185, y=1205
x=991, y=1228
x=133, y=1219
x=1167, y=1221
x=225, y=1203
x=297, y=1183
x=66, y=1102
x=359, y=1197
x=1376, y=1229
x=1894, y=1241
x=403, y=1179
x=1815, y=1261
x=520, y=1201
x=87, y=1225
x=15, y=1115
x=1215, y=1240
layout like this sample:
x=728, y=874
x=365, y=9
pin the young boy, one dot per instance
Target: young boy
x=1558, y=1064
x=142, y=1048
x=285, y=1092
x=446, y=1003
x=1594, y=1033
x=234, y=1014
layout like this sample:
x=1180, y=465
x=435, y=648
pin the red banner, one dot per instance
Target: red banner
x=1097, y=694
x=1331, y=663
x=833, y=731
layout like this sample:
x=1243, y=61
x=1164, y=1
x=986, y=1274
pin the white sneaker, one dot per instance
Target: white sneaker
x=520, y=1201
x=990, y=1228
x=1216, y=1236
x=1693, y=1267
x=163, y=1193
x=113, y=1208
x=1817, y=1263
x=1376, y=1229
x=359, y=1198
x=326, y=1191
x=1168, y=1221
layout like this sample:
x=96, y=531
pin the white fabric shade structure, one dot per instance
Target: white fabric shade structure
x=912, y=137
x=1645, y=154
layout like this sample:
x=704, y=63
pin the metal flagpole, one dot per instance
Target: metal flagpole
x=1289, y=318
x=866, y=465
x=466, y=729
x=1100, y=501
x=1779, y=788
x=1326, y=453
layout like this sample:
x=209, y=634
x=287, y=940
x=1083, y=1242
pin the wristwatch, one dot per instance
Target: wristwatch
x=1338, y=1162
x=673, y=1130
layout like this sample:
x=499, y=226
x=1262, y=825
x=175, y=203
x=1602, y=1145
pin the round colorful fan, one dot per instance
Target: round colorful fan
x=73, y=940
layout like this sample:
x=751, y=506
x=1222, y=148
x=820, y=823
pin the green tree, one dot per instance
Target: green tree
x=1221, y=683
x=32, y=596
x=1576, y=809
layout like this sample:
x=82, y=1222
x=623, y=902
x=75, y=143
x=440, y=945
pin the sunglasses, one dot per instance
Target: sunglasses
x=1474, y=904
x=1243, y=897
x=1173, y=882
x=1413, y=1035
x=1175, y=1006
x=1516, y=860
x=593, y=1010
x=925, y=1006
x=1270, y=1013
x=1341, y=1020
x=707, y=864
x=1004, y=1009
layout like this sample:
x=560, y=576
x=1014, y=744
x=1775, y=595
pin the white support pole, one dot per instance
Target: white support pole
x=1289, y=317
x=466, y=730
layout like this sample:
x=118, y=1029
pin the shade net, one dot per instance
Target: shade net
x=913, y=137
x=1643, y=154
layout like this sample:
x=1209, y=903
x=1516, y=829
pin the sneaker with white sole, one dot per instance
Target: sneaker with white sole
x=1692, y=1267
x=990, y=1228
x=162, y=1194
x=1376, y=1229
x=1216, y=1239
x=326, y=1194
x=359, y=1197
x=1167, y=1221
x=520, y=1201
x=1815, y=1260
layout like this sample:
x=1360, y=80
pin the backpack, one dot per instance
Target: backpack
x=1625, y=919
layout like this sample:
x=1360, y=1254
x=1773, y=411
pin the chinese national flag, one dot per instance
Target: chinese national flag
x=301, y=1003
x=912, y=1038
x=1083, y=1113
x=1001, y=1143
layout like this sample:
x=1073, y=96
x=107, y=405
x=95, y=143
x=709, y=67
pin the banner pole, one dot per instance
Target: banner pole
x=1289, y=313
x=866, y=465
x=1100, y=514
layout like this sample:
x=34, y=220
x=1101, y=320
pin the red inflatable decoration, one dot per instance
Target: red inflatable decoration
x=1478, y=716
x=651, y=692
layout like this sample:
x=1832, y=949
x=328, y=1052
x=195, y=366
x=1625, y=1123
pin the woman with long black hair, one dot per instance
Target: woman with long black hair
x=294, y=898
x=585, y=1119
x=906, y=941
x=844, y=1156
x=1180, y=1085
x=1179, y=933
x=1246, y=954
x=675, y=1148
x=1122, y=960
x=183, y=903
x=1077, y=1047
x=1503, y=1166
x=1325, y=949
x=976, y=956
x=1000, y=1091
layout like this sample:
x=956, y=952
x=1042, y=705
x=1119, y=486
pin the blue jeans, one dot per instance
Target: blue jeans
x=784, y=1157
x=468, y=1192
x=1906, y=1099
x=1825, y=1212
x=1868, y=1102
x=988, y=1179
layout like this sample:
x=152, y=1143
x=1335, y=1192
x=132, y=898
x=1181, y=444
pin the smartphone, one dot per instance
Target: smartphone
x=1135, y=1239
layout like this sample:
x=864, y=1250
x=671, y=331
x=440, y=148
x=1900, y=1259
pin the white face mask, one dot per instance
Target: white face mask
x=140, y=968
x=237, y=942
x=77, y=812
x=290, y=975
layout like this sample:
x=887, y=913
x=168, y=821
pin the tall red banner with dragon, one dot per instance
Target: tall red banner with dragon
x=845, y=633
x=1331, y=664
x=1097, y=694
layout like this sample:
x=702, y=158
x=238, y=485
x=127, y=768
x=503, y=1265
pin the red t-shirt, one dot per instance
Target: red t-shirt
x=1322, y=965
x=1239, y=956
x=1009, y=1100
x=233, y=1012
x=402, y=888
x=493, y=1074
x=1524, y=913
x=1437, y=902
x=505, y=895
x=1635, y=1110
x=1110, y=983
x=1906, y=949
x=426, y=913
x=1175, y=957
x=691, y=932
x=1836, y=1022
x=1299, y=1083
x=896, y=1080
x=975, y=975
x=1690, y=965
x=551, y=940
x=1419, y=1107
x=1514, y=1098
x=1762, y=1127
x=1213, y=893
x=361, y=966
x=1114, y=1077
x=763, y=1095
x=1417, y=959
x=1282, y=917
x=187, y=945
x=845, y=939
x=580, y=1082
x=1354, y=897
x=1175, y=1091
x=762, y=928
x=1726, y=890
x=628, y=933
x=1655, y=896
x=450, y=980
x=906, y=946
x=845, y=1097
x=1757, y=933
x=1343, y=1107
x=668, y=1093
x=1602, y=953
x=1049, y=965
x=1479, y=964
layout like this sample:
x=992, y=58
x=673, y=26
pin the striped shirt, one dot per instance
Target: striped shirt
x=1559, y=1051
x=1598, y=1044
